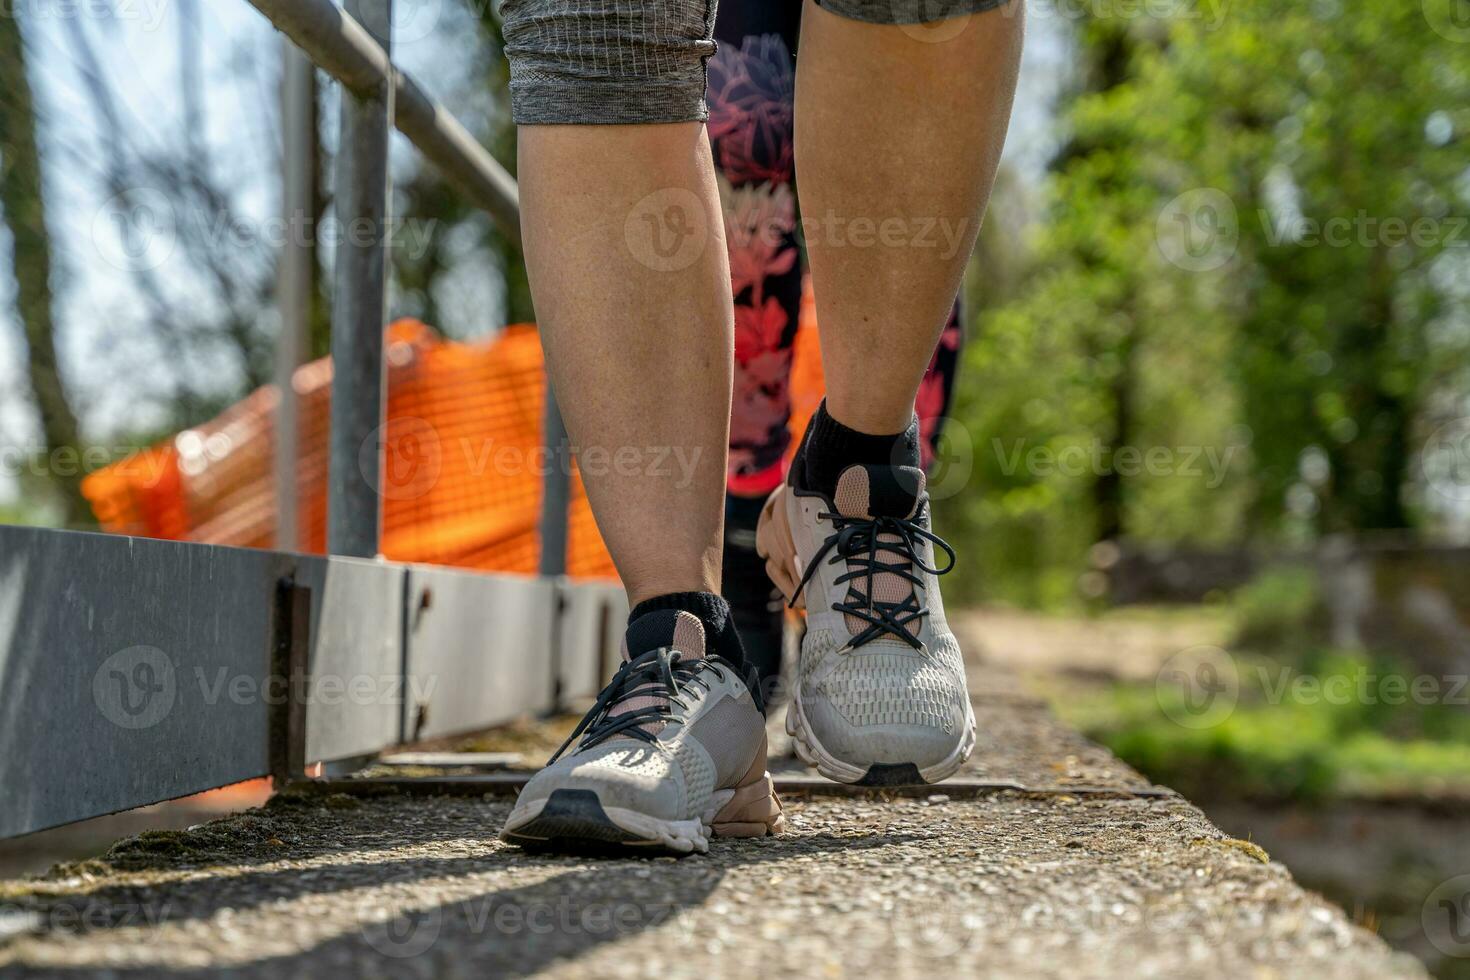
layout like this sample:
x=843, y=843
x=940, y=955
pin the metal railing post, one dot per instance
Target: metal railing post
x=556, y=488
x=298, y=132
x=359, y=307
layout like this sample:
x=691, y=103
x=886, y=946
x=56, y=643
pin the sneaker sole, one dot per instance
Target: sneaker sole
x=574, y=820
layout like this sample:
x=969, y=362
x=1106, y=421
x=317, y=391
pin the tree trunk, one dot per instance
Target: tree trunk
x=23, y=204
x=1108, y=488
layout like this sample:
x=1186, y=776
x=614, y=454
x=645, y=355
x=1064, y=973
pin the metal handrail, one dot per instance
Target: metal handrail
x=348, y=51
x=344, y=49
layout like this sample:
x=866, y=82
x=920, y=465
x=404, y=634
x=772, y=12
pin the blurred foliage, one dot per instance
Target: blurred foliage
x=1308, y=723
x=1221, y=276
x=1163, y=346
x=23, y=209
x=1301, y=735
x=427, y=195
x=1279, y=610
x=24, y=515
x=187, y=326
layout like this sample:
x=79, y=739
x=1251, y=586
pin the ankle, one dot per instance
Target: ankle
x=830, y=446
x=712, y=611
x=862, y=415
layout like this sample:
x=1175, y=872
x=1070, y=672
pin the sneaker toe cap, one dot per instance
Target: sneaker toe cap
x=630, y=778
x=924, y=744
x=902, y=709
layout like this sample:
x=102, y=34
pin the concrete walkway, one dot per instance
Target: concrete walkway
x=1076, y=876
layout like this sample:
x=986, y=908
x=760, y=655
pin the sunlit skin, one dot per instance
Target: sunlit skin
x=901, y=126
x=641, y=354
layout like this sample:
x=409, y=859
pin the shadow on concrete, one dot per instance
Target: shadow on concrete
x=417, y=915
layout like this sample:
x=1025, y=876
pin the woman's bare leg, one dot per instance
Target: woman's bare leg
x=899, y=130
x=631, y=282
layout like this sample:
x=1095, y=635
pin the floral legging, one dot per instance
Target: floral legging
x=751, y=98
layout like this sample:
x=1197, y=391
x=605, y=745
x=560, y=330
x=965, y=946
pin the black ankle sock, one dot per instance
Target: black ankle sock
x=713, y=611
x=756, y=608
x=721, y=637
x=829, y=447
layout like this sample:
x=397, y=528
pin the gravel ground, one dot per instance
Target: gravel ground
x=1006, y=884
x=1001, y=886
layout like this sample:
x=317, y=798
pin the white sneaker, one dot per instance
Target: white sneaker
x=880, y=697
x=672, y=753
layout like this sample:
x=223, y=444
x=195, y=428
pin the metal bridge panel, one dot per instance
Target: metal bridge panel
x=589, y=637
x=355, y=695
x=479, y=650
x=131, y=671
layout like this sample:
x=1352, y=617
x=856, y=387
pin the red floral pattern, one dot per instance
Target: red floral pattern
x=751, y=96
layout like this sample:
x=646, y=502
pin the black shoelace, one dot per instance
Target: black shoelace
x=658, y=672
x=855, y=540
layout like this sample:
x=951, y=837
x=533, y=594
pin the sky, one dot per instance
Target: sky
x=112, y=361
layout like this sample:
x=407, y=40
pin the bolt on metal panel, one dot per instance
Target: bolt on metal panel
x=478, y=650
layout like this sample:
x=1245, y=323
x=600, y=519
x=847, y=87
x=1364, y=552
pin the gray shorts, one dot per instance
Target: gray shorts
x=642, y=61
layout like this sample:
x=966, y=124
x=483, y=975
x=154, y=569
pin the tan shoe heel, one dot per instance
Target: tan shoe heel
x=754, y=810
x=774, y=543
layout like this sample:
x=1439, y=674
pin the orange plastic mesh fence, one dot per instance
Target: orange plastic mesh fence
x=463, y=460
x=462, y=468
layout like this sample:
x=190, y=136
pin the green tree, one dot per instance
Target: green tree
x=1226, y=274
x=1069, y=384
x=1337, y=136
